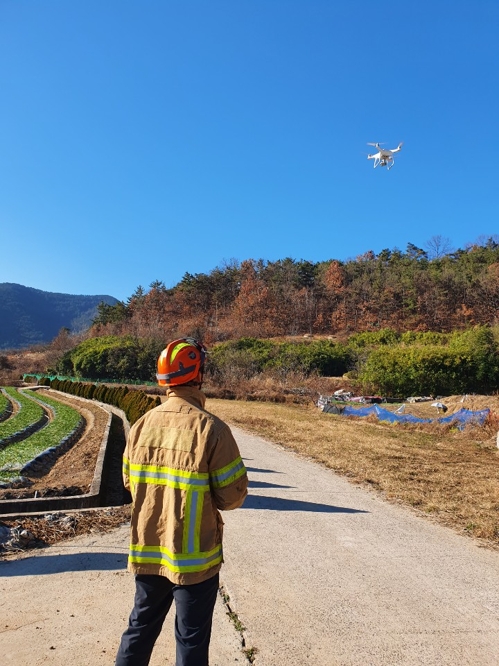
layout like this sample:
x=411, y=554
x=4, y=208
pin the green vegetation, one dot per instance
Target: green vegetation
x=18, y=454
x=250, y=356
x=30, y=413
x=134, y=403
x=4, y=403
x=384, y=361
x=461, y=362
x=112, y=357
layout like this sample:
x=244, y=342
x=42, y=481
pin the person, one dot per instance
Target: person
x=182, y=466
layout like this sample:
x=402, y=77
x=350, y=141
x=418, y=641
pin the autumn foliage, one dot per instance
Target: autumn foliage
x=397, y=322
x=403, y=291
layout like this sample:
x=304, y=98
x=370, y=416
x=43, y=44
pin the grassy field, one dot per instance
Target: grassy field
x=450, y=476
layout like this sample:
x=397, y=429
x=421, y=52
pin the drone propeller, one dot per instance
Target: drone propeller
x=376, y=145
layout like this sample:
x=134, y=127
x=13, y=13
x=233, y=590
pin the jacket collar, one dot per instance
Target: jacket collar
x=191, y=394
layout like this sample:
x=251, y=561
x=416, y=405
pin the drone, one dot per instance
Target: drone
x=383, y=157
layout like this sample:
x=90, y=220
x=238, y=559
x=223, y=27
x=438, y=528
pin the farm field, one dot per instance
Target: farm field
x=448, y=476
x=29, y=413
x=74, y=470
x=63, y=421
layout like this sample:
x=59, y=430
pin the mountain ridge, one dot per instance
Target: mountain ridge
x=30, y=316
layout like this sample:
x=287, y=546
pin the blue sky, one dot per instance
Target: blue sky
x=143, y=140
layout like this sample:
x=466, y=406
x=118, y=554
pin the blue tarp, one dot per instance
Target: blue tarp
x=462, y=417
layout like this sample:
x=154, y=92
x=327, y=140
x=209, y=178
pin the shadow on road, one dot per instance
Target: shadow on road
x=56, y=564
x=262, y=471
x=282, y=504
x=265, y=484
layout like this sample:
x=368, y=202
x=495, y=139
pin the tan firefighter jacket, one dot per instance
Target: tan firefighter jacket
x=181, y=465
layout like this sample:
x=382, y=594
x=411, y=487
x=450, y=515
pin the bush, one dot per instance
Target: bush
x=112, y=357
x=133, y=402
x=468, y=363
x=385, y=336
x=248, y=357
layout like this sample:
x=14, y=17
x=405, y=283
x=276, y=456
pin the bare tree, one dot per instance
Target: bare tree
x=438, y=246
x=490, y=241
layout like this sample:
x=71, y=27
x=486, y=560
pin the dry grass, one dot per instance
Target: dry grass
x=48, y=529
x=448, y=475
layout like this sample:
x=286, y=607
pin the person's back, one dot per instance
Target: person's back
x=182, y=465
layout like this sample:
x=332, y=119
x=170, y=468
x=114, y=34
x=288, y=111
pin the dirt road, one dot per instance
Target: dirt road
x=319, y=572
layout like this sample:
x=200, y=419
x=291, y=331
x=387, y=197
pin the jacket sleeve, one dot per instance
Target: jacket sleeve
x=132, y=438
x=126, y=466
x=228, y=477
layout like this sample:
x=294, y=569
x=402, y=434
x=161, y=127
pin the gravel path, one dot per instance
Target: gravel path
x=319, y=572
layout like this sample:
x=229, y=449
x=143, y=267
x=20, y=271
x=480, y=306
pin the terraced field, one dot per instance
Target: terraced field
x=29, y=415
x=5, y=404
x=60, y=421
x=75, y=469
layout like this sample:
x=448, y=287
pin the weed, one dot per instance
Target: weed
x=250, y=654
x=236, y=621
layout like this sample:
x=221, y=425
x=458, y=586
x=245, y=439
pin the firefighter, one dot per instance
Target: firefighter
x=182, y=466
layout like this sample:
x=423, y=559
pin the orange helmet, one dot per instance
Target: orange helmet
x=180, y=362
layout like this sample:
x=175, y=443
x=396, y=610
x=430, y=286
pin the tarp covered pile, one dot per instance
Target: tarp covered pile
x=462, y=417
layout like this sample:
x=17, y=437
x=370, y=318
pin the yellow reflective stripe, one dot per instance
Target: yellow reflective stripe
x=174, y=478
x=197, y=527
x=228, y=474
x=187, y=522
x=192, y=521
x=176, y=350
x=175, y=562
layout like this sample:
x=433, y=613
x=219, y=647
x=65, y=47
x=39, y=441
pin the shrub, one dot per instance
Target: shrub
x=112, y=357
x=133, y=402
x=468, y=363
x=245, y=358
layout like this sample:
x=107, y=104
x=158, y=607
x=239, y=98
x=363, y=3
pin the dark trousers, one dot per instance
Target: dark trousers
x=194, y=605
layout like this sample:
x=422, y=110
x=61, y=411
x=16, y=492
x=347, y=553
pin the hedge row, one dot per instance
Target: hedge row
x=133, y=402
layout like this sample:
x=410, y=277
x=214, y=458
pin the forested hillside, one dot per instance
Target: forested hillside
x=413, y=290
x=30, y=316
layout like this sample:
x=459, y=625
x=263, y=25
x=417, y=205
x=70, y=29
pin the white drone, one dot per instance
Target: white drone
x=383, y=157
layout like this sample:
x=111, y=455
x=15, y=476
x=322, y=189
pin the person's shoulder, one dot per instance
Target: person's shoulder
x=217, y=423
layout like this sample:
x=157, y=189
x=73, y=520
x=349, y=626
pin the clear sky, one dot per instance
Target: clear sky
x=144, y=139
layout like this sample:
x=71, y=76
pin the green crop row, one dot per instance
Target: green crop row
x=18, y=454
x=30, y=413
